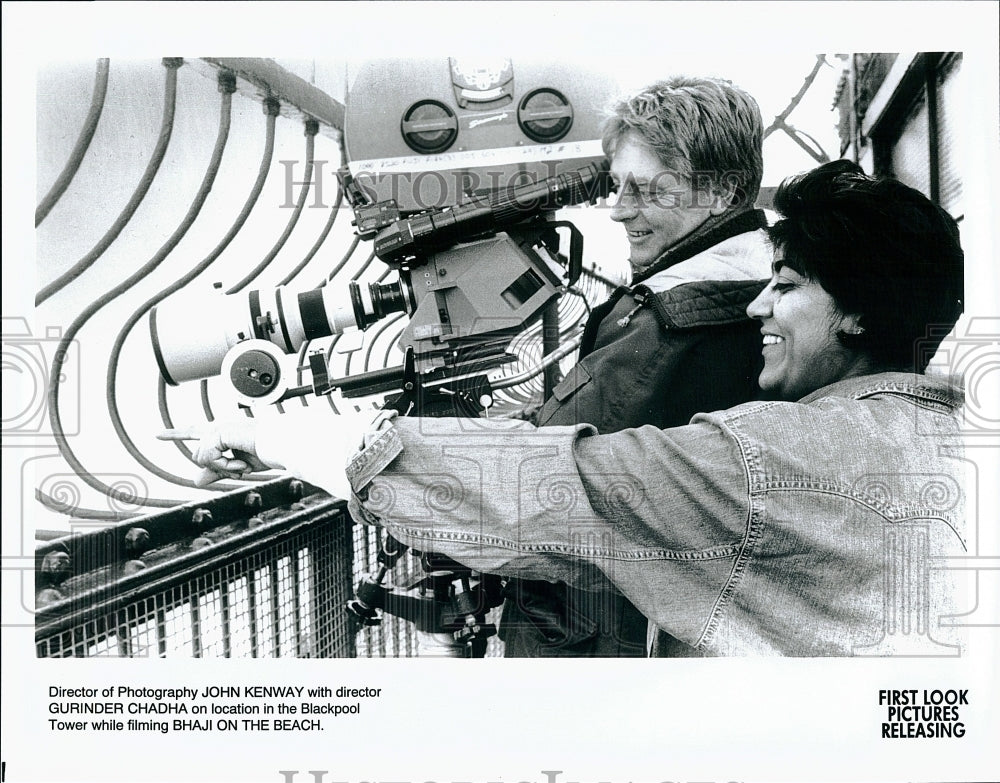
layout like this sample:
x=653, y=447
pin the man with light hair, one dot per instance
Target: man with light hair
x=686, y=159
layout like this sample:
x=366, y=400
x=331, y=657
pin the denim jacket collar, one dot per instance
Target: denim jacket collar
x=942, y=390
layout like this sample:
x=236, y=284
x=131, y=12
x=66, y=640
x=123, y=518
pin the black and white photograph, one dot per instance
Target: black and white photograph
x=649, y=352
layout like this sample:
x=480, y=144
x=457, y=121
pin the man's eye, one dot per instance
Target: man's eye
x=663, y=198
x=782, y=287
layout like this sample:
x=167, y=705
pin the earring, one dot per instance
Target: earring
x=857, y=330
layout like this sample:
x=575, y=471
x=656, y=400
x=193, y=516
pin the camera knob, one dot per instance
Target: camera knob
x=264, y=324
x=254, y=373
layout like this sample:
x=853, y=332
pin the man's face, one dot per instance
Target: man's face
x=657, y=206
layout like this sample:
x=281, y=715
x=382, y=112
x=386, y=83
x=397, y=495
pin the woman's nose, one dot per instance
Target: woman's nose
x=760, y=307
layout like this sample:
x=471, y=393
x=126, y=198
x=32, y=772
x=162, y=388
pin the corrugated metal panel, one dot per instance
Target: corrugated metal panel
x=910, y=155
x=950, y=120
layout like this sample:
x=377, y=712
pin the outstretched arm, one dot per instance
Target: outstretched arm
x=314, y=444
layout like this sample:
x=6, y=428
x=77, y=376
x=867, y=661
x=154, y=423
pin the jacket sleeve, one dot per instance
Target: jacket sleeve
x=661, y=513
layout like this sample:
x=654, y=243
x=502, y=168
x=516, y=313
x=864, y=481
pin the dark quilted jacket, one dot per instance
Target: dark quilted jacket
x=680, y=352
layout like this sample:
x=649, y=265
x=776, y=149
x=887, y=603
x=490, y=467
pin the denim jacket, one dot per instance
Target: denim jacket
x=679, y=343
x=820, y=527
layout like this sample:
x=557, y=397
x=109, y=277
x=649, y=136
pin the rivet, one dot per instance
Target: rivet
x=136, y=541
x=201, y=516
x=56, y=568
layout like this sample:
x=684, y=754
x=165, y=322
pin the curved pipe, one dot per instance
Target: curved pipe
x=271, y=108
x=81, y=320
x=162, y=142
x=312, y=128
x=319, y=242
x=82, y=143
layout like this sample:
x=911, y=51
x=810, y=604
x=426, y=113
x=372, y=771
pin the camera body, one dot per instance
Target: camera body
x=454, y=174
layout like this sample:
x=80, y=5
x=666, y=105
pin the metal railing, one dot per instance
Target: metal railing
x=262, y=572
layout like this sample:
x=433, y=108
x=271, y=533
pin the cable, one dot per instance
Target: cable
x=312, y=128
x=319, y=242
x=82, y=143
x=114, y=293
x=163, y=141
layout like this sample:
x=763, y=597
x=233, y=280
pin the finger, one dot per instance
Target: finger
x=224, y=465
x=238, y=467
x=207, y=476
x=251, y=460
x=185, y=433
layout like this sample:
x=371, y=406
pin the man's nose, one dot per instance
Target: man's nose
x=623, y=208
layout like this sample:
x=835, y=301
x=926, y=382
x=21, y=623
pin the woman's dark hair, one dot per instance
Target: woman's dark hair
x=882, y=250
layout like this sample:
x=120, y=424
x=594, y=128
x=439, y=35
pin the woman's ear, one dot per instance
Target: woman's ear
x=852, y=325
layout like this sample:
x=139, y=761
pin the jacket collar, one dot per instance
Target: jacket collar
x=740, y=258
x=710, y=233
x=929, y=388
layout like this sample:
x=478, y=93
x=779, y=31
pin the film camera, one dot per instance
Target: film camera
x=457, y=200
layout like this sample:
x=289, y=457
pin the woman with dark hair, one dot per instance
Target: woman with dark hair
x=882, y=251
x=803, y=525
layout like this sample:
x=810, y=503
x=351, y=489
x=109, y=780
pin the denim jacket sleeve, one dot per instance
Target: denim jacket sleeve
x=661, y=513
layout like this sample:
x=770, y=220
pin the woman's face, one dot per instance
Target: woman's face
x=657, y=207
x=799, y=322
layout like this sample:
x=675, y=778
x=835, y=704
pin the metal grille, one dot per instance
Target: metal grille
x=277, y=590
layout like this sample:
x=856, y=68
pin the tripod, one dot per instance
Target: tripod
x=446, y=599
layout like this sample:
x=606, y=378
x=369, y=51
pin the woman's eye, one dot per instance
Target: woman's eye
x=782, y=287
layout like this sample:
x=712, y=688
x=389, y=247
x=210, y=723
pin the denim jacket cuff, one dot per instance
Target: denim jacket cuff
x=374, y=457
